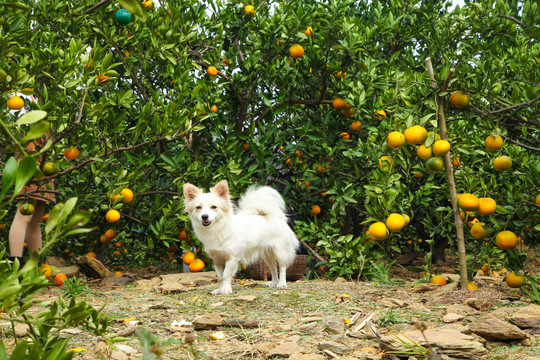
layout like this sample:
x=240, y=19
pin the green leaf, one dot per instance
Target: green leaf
x=25, y=171
x=31, y=117
x=37, y=131
x=135, y=7
x=8, y=176
x=17, y=6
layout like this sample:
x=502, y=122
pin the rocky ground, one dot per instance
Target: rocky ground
x=313, y=320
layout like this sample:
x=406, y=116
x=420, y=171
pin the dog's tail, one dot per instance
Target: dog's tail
x=263, y=201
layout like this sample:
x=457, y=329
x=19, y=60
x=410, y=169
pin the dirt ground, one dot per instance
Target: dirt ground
x=307, y=314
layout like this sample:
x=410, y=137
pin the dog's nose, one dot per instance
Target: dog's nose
x=204, y=217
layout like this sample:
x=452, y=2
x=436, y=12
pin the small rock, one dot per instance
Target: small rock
x=300, y=356
x=334, y=347
x=93, y=267
x=339, y=280
x=479, y=304
x=117, y=281
x=21, y=329
x=425, y=287
x=286, y=349
x=461, y=309
x=527, y=317
x=70, y=271
x=245, y=298
x=333, y=324
x=207, y=321
x=491, y=328
x=451, y=317
x=391, y=303
x=265, y=347
x=126, y=348
x=172, y=288
x=118, y=355
x=147, y=284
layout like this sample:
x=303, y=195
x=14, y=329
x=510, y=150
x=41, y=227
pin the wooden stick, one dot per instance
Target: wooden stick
x=317, y=256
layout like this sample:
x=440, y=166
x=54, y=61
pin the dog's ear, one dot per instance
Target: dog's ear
x=191, y=191
x=221, y=189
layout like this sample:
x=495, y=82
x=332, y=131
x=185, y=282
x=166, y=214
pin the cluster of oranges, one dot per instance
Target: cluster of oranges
x=195, y=264
x=394, y=223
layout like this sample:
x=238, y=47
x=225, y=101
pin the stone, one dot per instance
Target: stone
x=333, y=324
x=265, y=347
x=207, y=321
x=340, y=280
x=93, y=267
x=287, y=349
x=21, y=329
x=172, y=288
x=151, y=284
x=191, y=279
x=461, y=310
x=335, y=347
x=479, y=304
x=70, y=271
x=451, y=343
x=392, y=303
x=125, y=348
x=118, y=355
x=300, y=356
x=245, y=298
x=425, y=287
x=494, y=329
x=117, y=281
x=451, y=317
x=527, y=317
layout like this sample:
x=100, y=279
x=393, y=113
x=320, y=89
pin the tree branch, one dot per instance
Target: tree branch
x=527, y=103
x=511, y=18
x=101, y=3
x=520, y=144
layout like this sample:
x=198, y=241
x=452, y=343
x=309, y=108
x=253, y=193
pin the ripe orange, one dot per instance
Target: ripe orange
x=494, y=142
x=110, y=234
x=59, y=279
x=303, y=184
x=26, y=209
x=344, y=135
x=472, y=286
x=434, y=164
x=249, y=10
x=72, y=153
x=514, y=280
x=378, y=230
x=456, y=162
x=386, y=161
x=502, y=163
x=459, y=99
x=196, y=265
x=348, y=112
x=538, y=199
x=355, y=125
x=478, y=232
x=424, y=152
x=92, y=254
x=118, y=273
x=441, y=147
x=395, y=140
x=182, y=235
x=339, y=103
x=214, y=109
x=188, y=257
x=415, y=135
x=379, y=115
x=395, y=222
x=485, y=268
x=245, y=147
x=212, y=71
x=15, y=103
x=46, y=271
x=112, y=216
x=438, y=279
x=468, y=202
x=128, y=195
x=407, y=219
x=315, y=210
x=486, y=206
x=117, y=253
x=103, y=239
x=296, y=51
x=506, y=240
x=309, y=31
x=118, y=244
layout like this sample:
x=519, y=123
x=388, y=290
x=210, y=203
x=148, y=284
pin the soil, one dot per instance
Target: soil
x=305, y=313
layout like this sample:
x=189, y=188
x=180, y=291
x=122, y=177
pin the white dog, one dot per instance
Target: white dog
x=257, y=229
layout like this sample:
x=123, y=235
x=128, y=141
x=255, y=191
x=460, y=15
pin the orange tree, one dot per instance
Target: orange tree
x=190, y=91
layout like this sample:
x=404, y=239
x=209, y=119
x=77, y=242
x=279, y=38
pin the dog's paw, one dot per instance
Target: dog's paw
x=222, y=291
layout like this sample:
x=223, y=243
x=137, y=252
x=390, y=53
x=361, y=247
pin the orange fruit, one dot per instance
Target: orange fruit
x=59, y=279
x=379, y=115
x=339, y=103
x=344, y=135
x=249, y=10
x=424, y=152
x=296, y=51
x=26, y=209
x=45, y=218
x=110, y=234
x=112, y=216
x=309, y=31
x=50, y=168
x=415, y=135
x=485, y=268
x=103, y=239
x=494, y=142
x=386, y=161
x=303, y=184
x=506, y=240
x=478, y=232
x=128, y=195
x=468, y=202
x=395, y=140
x=538, y=199
x=118, y=244
x=407, y=219
x=196, y=265
x=102, y=78
x=72, y=153
x=434, y=164
x=92, y=254
x=188, y=257
x=182, y=235
x=46, y=271
x=15, y=103
x=348, y=112
x=212, y=71
x=459, y=99
x=118, y=273
x=456, y=162
x=315, y=210
x=117, y=253
x=486, y=206
x=514, y=280
x=378, y=230
x=472, y=286
x=395, y=222
x=441, y=147
x=502, y=163
x=438, y=279
x=214, y=109
x=355, y=125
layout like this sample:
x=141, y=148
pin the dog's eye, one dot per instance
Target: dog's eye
x=198, y=207
x=213, y=207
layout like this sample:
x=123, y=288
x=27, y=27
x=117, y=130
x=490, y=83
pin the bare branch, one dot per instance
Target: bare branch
x=99, y=4
x=520, y=144
x=511, y=18
x=527, y=103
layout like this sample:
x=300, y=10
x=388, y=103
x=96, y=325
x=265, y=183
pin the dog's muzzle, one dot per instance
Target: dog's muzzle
x=204, y=220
